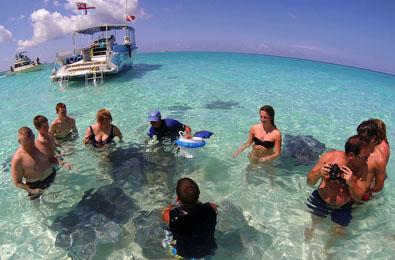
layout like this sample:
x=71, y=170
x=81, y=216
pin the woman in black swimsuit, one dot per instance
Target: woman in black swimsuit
x=265, y=138
x=102, y=132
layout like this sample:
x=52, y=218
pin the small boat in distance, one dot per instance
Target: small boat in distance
x=106, y=52
x=24, y=64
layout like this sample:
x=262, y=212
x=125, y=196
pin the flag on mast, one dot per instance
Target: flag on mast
x=130, y=18
x=83, y=6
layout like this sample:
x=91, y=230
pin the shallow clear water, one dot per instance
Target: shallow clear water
x=108, y=206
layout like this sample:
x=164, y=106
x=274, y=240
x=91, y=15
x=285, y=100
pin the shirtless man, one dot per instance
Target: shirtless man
x=336, y=192
x=31, y=164
x=45, y=141
x=62, y=126
x=374, y=130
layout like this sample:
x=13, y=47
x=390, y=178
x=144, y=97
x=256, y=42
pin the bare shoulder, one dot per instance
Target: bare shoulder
x=17, y=157
x=254, y=128
x=331, y=155
x=277, y=132
x=71, y=119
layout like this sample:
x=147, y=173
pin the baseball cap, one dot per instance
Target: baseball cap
x=154, y=115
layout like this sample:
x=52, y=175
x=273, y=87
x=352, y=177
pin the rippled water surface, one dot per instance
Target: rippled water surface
x=108, y=206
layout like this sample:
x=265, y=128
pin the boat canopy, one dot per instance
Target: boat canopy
x=103, y=28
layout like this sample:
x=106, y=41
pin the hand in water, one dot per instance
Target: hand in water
x=264, y=159
x=235, y=154
x=67, y=165
x=37, y=191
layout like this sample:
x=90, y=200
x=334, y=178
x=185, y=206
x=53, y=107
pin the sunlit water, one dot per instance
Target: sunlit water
x=108, y=206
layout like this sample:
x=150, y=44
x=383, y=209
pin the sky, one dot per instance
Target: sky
x=356, y=33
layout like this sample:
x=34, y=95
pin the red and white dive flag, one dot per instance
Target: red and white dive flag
x=130, y=18
x=83, y=6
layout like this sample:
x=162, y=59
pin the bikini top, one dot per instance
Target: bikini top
x=108, y=140
x=266, y=144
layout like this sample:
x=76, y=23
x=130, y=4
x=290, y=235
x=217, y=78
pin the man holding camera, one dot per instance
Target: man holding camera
x=343, y=178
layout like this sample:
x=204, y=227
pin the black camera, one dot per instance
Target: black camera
x=335, y=173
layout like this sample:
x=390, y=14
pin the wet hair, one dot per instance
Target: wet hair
x=268, y=109
x=39, y=120
x=355, y=144
x=102, y=114
x=59, y=106
x=25, y=131
x=368, y=129
x=187, y=191
x=381, y=130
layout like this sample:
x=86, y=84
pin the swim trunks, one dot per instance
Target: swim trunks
x=41, y=184
x=319, y=207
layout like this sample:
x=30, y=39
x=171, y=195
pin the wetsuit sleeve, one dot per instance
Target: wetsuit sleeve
x=174, y=124
x=151, y=132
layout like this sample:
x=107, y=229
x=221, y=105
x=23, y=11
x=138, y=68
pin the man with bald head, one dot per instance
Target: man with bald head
x=31, y=169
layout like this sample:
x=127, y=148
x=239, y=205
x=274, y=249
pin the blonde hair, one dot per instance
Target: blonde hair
x=381, y=129
x=103, y=114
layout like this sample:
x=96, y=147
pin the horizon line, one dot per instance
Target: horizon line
x=282, y=56
x=269, y=55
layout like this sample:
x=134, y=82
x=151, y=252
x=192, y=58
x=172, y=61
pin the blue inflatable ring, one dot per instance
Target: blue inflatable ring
x=190, y=143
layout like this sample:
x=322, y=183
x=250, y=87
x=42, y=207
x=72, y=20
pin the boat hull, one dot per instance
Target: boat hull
x=119, y=60
x=29, y=68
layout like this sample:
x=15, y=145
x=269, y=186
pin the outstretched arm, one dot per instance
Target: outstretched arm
x=118, y=133
x=245, y=145
x=188, y=132
x=87, y=135
x=75, y=130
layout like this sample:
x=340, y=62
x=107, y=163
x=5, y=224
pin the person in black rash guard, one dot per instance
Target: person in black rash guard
x=191, y=223
x=166, y=128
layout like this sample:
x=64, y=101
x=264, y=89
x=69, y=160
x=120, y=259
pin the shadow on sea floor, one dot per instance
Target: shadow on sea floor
x=138, y=71
x=112, y=216
x=129, y=209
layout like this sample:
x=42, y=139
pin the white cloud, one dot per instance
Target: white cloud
x=308, y=47
x=263, y=46
x=48, y=26
x=5, y=35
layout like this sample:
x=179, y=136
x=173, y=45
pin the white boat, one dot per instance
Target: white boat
x=24, y=64
x=110, y=49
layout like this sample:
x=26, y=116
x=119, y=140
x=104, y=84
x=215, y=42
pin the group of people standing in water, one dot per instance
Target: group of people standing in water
x=346, y=176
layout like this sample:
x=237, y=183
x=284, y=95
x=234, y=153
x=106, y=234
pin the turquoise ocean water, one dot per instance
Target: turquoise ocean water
x=108, y=206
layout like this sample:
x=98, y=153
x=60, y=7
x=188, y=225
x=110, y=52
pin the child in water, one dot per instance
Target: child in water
x=191, y=223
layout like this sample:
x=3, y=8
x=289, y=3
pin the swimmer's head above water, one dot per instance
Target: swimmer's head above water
x=154, y=117
x=26, y=137
x=266, y=114
x=187, y=191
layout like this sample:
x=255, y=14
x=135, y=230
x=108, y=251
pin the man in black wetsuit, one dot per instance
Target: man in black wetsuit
x=191, y=223
x=167, y=127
